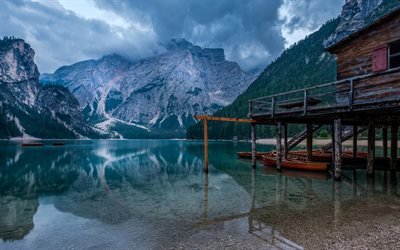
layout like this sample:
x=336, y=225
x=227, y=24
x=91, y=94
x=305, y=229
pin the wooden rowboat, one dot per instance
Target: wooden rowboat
x=33, y=144
x=326, y=156
x=247, y=155
x=269, y=159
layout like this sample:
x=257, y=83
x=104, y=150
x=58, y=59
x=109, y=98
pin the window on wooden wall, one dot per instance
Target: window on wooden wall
x=394, y=55
x=380, y=59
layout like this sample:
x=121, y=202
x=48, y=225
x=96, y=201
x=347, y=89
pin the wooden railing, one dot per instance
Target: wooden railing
x=338, y=94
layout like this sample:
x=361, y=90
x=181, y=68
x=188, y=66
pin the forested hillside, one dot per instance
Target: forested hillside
x=304, y=64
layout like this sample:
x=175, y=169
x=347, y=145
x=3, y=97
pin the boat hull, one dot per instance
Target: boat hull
x=270, y=160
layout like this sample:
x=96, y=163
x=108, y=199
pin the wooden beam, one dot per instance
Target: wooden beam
x=337, y=149
x=309, y=141
x=205, y=125
x=278, y=146
x=355, y=134
x=393, y=147
x=285, y=141
x=253, y=146
x=371, y=148
x=224, y=119
x=385, y=142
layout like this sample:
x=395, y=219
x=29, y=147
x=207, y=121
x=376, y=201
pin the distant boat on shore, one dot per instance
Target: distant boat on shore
x=32, y=144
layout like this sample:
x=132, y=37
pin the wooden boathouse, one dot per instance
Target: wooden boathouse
x=366, y=95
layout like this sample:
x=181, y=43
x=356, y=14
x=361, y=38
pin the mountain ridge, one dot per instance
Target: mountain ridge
x=29, y=111
x=173, y=86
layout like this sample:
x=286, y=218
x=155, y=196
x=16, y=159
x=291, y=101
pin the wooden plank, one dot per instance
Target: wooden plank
x=253, y=146
x=224, y=119
x=338, y=149
x=278, y=146
x=205, y=125
x=309, y=141
x=371, y=148
x=393, y=147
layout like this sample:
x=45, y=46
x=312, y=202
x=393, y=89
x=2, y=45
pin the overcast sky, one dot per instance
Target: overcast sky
x=252, y=32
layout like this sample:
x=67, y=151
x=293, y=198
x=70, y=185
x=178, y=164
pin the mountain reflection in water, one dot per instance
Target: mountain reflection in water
x=159, y=188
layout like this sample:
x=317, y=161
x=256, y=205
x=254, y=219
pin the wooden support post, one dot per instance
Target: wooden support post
x=309, y=141
x=285, y=141
x=278, y=146
x=384, y=142
x=333, y=143
x=205, y=125
x=371, y=148
x=393, y=147
x=253, y=145
x=338, y=149
x=355, y=134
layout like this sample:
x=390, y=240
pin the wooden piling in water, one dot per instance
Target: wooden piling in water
x=278, y=146
x=371, y=148
x=205, y=125
x=393, y=147
x=385, y=142
x=253, y=146
x=285, y=141
x=355, y=135
x=337, y=149
x=309, y=141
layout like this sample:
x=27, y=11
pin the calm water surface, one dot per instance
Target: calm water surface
x=142, y=194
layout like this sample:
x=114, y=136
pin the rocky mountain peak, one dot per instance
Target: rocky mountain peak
x=178, y=44
x=17, y=61
x=159, y=94
x=210, y=54
x=353, y=17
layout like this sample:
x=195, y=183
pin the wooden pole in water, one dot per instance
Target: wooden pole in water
x=385, y=142
x=371, y=148
x=338, y=149
x=333, y=143
x=355, y=135
x=278, y=146
x=309, y=141
x=285, y=141
x=253, y=146
x=205, y=143
x=393, y=147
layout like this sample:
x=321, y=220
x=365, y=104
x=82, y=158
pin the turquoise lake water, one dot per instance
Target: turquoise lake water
x=154, y=194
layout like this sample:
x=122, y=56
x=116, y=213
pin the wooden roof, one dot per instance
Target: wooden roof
x=364, y=29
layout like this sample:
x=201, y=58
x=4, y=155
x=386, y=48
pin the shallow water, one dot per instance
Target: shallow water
x=152, y=194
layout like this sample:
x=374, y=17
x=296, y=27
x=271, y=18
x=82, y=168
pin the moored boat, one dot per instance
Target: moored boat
x=58, y=143
x=248, y=154
x=33, y=144
x=269, y=159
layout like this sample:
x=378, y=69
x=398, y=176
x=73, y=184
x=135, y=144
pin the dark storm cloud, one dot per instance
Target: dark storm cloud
x=247, y=30
x=60, y=37
x=309, y=14
x=252, y=32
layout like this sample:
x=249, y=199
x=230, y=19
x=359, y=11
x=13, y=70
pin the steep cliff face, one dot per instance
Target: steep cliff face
x=356, y=14
x=159, y=94
x=26, y=109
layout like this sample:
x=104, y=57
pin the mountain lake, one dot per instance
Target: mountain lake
x=154, y=194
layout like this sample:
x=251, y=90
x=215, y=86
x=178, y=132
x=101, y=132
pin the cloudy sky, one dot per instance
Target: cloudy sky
x=252, y=32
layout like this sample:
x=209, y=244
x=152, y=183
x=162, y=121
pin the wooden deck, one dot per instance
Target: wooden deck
x=352, y=99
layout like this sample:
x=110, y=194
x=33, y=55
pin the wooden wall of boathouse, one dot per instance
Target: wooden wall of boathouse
x=355, y=57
